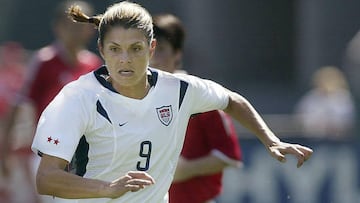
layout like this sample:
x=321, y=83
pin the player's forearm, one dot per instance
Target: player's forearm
x=240, y=109
x=207, y=165
x=65, y=185
x=203, y=166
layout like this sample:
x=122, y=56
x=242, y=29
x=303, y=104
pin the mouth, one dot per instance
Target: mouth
x=126, y=73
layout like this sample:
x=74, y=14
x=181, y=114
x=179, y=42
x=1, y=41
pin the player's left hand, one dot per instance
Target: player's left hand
x=280, y=149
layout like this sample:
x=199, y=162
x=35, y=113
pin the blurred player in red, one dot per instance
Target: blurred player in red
x=62, y=61
x=211, y=142
x=56, y=64
x=12, y=60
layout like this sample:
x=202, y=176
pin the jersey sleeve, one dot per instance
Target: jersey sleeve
x=205, y=95
x=221, y=136
x=61, y=126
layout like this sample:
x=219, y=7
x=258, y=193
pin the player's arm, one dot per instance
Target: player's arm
x=241, y=110
x=51, y=179
x=206, y=165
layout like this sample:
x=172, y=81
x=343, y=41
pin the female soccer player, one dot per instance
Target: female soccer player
x=133, y=117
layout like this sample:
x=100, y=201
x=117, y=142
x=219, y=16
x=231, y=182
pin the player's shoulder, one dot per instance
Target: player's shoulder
x=162, y=77
x=46, y=53
x=85, y=86
x=85, y=81
x=88, y=54
x=88, y=57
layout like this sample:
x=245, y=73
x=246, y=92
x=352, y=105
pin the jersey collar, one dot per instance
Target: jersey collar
x=101, y=74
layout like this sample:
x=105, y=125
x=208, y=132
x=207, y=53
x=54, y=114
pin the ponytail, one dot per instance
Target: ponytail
x=75, y=13
x=124, y=14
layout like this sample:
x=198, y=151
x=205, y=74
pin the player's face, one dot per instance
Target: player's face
x=126, y=53
x=165, y=57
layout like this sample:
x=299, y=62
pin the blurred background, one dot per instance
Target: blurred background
x=270, y=51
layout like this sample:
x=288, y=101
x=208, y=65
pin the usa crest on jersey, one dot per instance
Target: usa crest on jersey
x=165, y=114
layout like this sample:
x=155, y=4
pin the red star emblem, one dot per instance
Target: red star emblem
x=56, y=141
x=49, y=139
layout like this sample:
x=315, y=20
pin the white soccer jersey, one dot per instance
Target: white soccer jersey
x=123, y=133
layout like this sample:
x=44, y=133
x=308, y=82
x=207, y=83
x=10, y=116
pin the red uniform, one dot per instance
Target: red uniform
x=210, y=132
x=12, y=56
x=51, y=72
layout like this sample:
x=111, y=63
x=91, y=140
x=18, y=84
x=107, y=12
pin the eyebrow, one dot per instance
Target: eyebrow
x=135, y=43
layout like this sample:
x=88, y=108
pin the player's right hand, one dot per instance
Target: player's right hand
x=133, y=181
x=280, y=149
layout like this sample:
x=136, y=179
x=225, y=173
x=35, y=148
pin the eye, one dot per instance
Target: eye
x=114, y=49
x=137, y=48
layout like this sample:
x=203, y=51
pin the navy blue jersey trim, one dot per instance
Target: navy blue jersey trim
x=101, y=73
x=81, y=156
x=183, y=87
x=100, y=109
x=153, y=77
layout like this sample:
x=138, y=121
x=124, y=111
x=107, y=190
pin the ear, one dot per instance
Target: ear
x=101, y=49
x=152, y=47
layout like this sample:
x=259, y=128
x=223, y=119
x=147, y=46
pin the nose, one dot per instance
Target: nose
x=124, y=57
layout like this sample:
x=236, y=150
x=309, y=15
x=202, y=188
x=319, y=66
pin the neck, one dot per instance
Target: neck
x=70, y=53
x=138, y=91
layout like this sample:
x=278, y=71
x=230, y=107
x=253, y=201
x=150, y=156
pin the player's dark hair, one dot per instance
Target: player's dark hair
x=170, y=28
x=77, y=15
x=125, y=14
x=60, y=13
